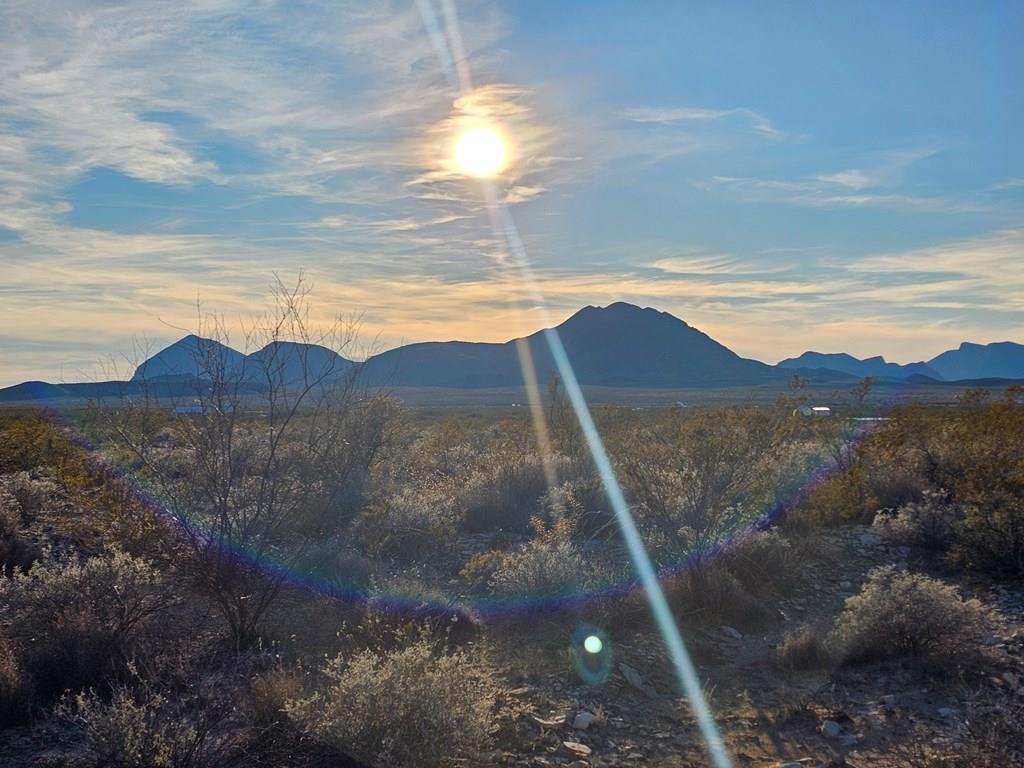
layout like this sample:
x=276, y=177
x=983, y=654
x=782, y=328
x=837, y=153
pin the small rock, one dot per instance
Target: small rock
x=831, y=729
x=583, y=720
x=735, y=634
x=581, y=750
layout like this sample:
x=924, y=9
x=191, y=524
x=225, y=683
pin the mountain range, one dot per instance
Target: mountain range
x=620, y=345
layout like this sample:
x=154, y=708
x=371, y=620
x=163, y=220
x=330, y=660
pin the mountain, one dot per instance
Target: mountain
x=1001, y=360
x=869, y=366
x=293, y=364
x=191, y=357
x=618, y=345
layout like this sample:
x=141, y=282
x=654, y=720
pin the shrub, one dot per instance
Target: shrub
x=272, y=690
x=33, y=494
x=414, y=523
x=762, y=559
x=405, y=708
x=13, y=691
x=927, y=524
x=10, y=514
x=78, y=622
x=802, y=649
x=712, y=594
x=842, y=496
x=504, y=498
x=402, y=609
x=903, y=614
x=540, y=569
x=136, y=729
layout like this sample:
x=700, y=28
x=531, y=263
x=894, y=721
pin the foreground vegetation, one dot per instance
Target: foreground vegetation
x=172, y=585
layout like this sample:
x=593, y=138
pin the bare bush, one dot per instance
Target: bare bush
x=904, y=614
x=540, y=569
x=77, y=623
x=276, y=456
x=928, y=524
x=802, y=649
x=406, y=708
x=414, y=523
x=136, y=728
x=14, y=692
x=711, y=594
x=271, y=691
x=504, y=497
x=762, y=560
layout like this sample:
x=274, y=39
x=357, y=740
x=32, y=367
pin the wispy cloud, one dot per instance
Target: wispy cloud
x=755, y=121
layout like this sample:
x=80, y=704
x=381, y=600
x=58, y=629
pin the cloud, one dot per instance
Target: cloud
x=755, y=121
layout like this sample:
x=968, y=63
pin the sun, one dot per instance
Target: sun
x=481, y=152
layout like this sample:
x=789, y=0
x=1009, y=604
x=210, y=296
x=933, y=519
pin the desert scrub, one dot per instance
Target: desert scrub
x=77, y=623
x=540, y=569
x=406, y=708
x=135, y=729
x=762, y=560
x=802, y=649
x=906, y=614
x=414, y=523
x=505, y=497
x=927, y=524
x=14, y=693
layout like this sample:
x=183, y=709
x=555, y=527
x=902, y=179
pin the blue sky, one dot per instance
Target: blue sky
x=828, y=176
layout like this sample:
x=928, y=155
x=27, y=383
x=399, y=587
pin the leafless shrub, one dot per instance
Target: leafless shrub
x=136, y=728
x=77, y=623
x=802, y=649
x=276, y=457
x=504, y=497
x=762, y=560
x=711, y=593
x=904, y=614
x=412, y=523
x=271, y=691
x=406, y=708
x=14, y=693
x=928, y=524
x=541, y=569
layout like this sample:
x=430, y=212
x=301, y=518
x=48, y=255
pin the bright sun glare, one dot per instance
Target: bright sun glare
x=480, y=152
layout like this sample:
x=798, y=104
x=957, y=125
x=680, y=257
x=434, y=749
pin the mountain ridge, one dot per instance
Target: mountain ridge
x=618, y=345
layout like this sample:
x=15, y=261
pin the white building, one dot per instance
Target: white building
x=813, y=410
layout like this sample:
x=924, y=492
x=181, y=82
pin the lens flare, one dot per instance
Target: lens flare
x=593, y=644
x=481, y=152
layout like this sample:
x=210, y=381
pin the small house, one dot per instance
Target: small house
x=813, y=410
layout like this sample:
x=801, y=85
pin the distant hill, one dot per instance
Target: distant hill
x=292, y=364
x=192, y=357
x=999, y=360
x=869, y=366
x=619, y=345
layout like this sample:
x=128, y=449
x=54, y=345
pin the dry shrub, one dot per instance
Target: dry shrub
x=414, y=523
x=77, y=623
x=540, y=569
x=403, y=609
x=504, y=498
x=802, y=649
x=840, y=497
x=33, y=494
x=927, y=524
x=272, y=690
x=763, y=560
x=406, y=708
x=903, y=614
x=712, y=594
x=136, y=728
x=14, y=693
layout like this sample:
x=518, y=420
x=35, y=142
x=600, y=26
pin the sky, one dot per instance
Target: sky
x=823, y=175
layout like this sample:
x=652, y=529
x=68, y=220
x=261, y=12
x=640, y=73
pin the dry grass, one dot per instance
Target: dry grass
x=405, y=708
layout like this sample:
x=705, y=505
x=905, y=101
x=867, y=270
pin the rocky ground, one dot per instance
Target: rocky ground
x=892, y=714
